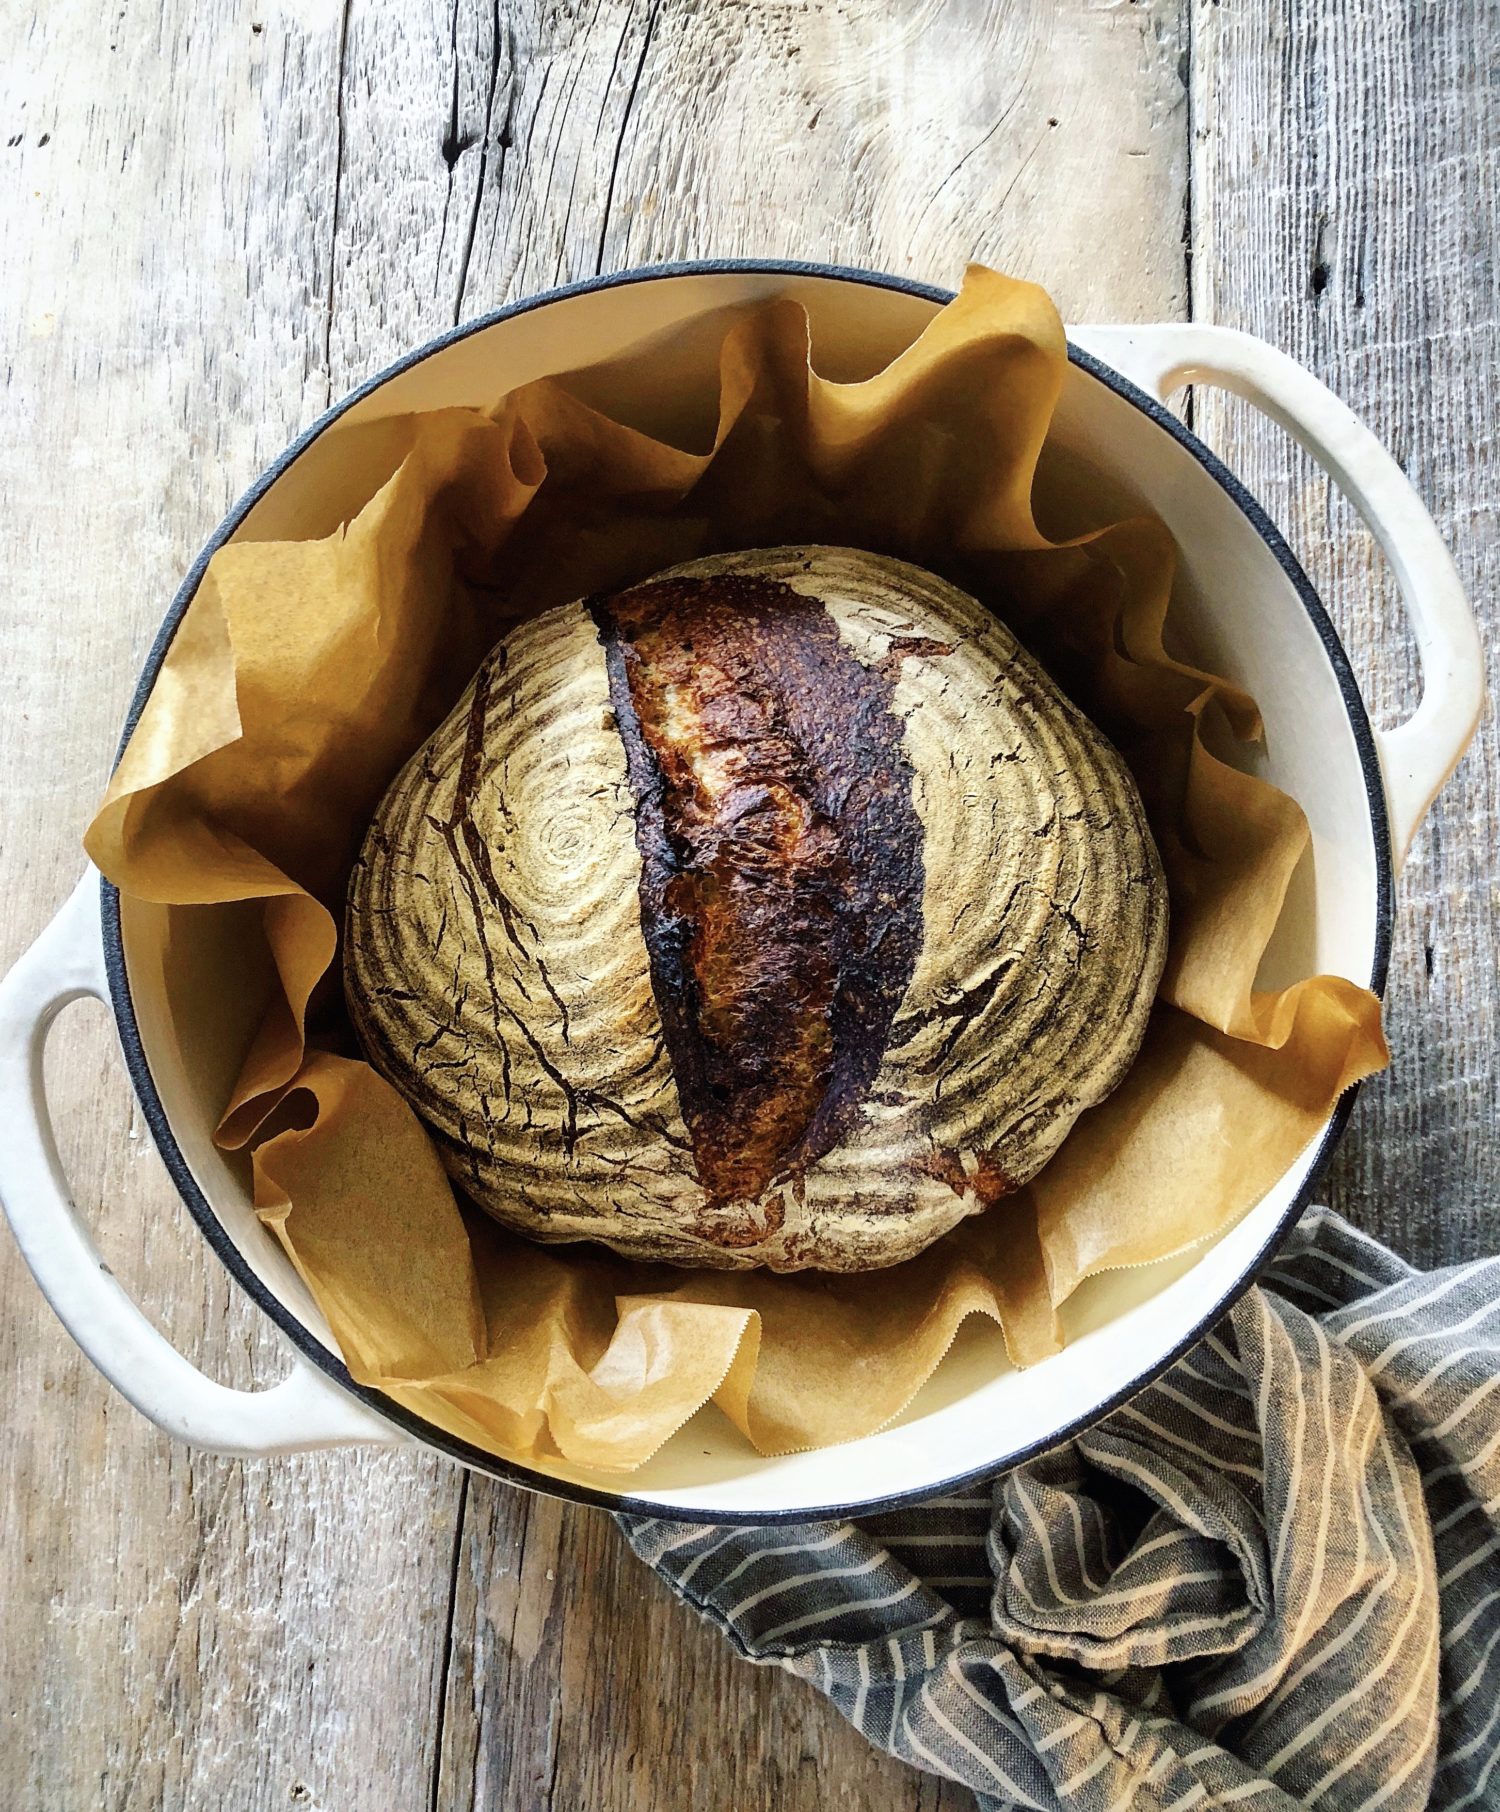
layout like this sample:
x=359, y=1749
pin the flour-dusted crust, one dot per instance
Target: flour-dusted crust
x=777, y=911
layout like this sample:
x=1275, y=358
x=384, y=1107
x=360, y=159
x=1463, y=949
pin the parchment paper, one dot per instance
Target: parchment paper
x=305, y=672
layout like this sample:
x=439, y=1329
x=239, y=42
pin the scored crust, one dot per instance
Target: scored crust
x=779, y=910
x=780, y=862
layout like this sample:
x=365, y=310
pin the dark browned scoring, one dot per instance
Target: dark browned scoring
x=781, y=862
x=987, y=1183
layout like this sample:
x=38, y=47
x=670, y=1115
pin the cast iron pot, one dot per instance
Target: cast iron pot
x=1243, y=607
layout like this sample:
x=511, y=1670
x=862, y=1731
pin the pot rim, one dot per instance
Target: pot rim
x=514, y=1472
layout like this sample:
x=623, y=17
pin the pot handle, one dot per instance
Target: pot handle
x=305, y=1410
x=1418, y=756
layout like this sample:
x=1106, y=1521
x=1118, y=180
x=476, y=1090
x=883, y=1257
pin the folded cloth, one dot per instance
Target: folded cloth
x=1271, y=1580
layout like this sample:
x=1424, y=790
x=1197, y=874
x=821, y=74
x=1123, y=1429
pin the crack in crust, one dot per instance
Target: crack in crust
x=781, y=854
x=471, y=863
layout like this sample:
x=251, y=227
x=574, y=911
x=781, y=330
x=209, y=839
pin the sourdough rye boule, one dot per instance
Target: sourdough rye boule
x=777, y=911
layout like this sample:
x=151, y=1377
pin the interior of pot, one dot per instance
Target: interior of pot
x=1238, y=610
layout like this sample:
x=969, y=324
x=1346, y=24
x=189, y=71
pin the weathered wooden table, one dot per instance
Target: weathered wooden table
x=217, y=219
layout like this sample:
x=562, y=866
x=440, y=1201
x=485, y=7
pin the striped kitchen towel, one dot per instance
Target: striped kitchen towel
x=1272, y=1580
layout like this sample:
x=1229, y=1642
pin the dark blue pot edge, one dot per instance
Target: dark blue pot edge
x=477, y=1458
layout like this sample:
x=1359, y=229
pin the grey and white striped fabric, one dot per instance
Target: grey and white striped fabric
x=1271, y=1580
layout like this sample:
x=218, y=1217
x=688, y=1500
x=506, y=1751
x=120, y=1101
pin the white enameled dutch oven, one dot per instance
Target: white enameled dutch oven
x=1243, y=608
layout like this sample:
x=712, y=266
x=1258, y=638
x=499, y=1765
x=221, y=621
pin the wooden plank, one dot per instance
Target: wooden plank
x=576, y=1680
x=179, y=1630
x=909, y=140
x=1344, y=207
x=1049, y=141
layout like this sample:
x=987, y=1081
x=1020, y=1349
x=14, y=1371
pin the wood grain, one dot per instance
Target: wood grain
x=1345, y=208
x=576, y=1680
x=217, y=220
x=906, y=139
x=180, y=1630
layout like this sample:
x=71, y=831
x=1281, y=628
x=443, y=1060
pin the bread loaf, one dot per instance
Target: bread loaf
x=777, y=911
